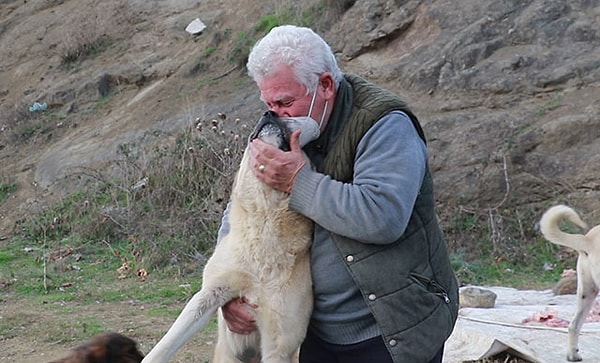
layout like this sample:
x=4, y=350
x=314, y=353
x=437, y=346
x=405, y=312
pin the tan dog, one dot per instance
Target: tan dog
x=588, y=266
x=264, y=257
x=105, y=348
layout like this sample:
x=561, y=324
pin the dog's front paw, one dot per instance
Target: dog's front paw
x=574, y=356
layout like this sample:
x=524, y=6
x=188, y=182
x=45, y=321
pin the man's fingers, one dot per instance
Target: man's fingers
x=238, y=316
x=295, y=140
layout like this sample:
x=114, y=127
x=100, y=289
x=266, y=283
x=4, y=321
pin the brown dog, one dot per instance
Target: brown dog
x=588, y=266
x=105, y=348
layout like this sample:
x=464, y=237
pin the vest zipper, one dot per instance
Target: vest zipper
x=431, y=285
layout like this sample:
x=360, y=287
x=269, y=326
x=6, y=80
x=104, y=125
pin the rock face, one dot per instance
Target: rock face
x=506, y=90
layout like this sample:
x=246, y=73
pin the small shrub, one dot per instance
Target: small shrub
x=268, y=22
x=493, y=246
x=23, y=126
x=241, y=49
x=158, y=208
x=290, y=13
x=210, y=50
x=7, y=187
x=93, y=30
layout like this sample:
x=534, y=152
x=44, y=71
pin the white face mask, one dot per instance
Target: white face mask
x=311, y=129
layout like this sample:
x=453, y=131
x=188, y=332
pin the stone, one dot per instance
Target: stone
x=566, y=286
x=475, y=297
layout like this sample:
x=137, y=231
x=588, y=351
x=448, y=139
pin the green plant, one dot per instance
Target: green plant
x=80, y=49
x=292, y=14
x=7, y=187
x=268, y=22
x=24, y=125
x=102, y=102
x=5, y=257
x=210, y=50
x=314, y=16
x=160, y=209
x=502, y=246
x=241, y=49
x=552, y=104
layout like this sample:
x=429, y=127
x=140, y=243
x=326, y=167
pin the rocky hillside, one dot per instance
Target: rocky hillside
x=507, y=90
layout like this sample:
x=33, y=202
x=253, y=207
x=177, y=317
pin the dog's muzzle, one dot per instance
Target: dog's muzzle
x=271, y=130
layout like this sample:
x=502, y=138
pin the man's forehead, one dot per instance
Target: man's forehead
x=281, y=91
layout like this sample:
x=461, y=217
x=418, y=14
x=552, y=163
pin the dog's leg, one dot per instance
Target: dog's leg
x=195, y=315
x=586, y=295
x=285, y=319
x=282, y=336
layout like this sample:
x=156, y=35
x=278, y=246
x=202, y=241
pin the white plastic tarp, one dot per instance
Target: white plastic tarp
x=483, y=333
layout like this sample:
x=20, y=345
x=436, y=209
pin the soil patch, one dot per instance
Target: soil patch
x=34, y=331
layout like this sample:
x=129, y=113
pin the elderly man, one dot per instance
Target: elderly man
x=384, y=289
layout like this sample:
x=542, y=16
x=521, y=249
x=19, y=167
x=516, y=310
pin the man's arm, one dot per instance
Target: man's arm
x=390, y=164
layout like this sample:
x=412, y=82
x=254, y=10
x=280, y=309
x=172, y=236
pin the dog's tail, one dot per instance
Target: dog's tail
x=195, y=315
x=550, y=227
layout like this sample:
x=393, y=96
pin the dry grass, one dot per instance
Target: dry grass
x=94, y=28
x=160, y=206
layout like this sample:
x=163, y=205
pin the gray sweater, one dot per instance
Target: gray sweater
x=379, y=260
x=375, y=208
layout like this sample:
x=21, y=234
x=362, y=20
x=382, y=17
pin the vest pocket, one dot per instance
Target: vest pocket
x=431, y=286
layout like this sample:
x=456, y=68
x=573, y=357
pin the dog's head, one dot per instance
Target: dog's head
x=271, y=130
x=105, y=348
x=121, y=349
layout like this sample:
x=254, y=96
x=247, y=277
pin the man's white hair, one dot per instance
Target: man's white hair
x=303, y=50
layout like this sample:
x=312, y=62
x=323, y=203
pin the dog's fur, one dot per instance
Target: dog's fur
x=588, y=266
x=105, y=348
x=264, y=257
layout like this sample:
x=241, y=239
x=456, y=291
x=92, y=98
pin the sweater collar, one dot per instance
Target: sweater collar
x=339, y=117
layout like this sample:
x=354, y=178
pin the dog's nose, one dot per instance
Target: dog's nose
x=270, y=130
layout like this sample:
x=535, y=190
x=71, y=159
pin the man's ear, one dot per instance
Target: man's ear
x=328, y=84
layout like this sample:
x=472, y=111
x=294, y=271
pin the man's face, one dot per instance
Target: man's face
x=283, y=95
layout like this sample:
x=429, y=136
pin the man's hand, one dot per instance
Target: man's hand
x=275, y=167
x=238, y=316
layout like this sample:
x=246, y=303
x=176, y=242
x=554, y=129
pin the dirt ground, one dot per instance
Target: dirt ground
x=37, y=329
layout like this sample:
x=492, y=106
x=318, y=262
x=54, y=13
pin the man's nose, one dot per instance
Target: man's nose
x=279, y=111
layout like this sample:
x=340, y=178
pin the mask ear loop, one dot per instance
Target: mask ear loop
x=323, y=115
x=312, y=102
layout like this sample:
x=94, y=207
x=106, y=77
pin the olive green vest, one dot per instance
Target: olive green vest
x=409, y=285
x=370, y=104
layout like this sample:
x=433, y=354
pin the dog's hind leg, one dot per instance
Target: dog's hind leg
x=195, y=315
x=586, y=295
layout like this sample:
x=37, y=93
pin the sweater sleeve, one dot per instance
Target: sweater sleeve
x=390, y=164
x=224, y=227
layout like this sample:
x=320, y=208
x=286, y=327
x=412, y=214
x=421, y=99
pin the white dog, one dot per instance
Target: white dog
x=264, y=257
x=588, y=266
